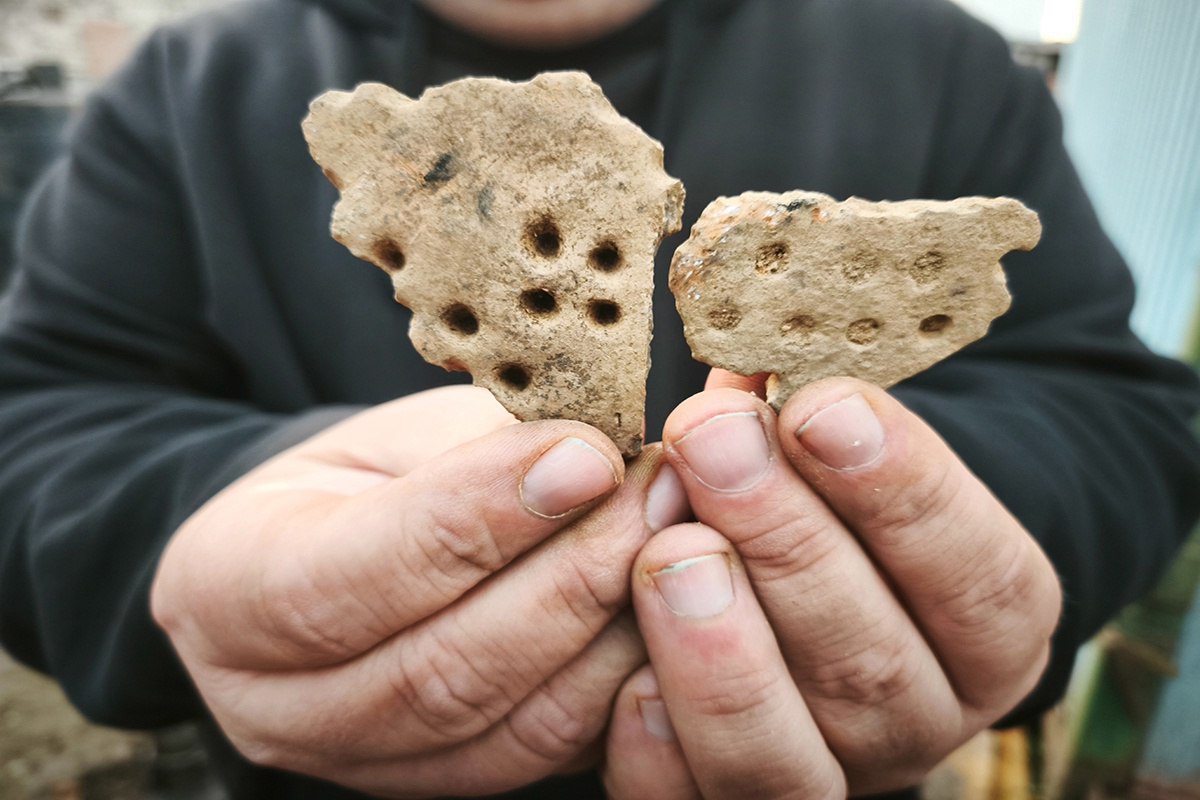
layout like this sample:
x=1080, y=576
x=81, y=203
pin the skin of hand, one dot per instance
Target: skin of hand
x=421, y=600
x=852, y=605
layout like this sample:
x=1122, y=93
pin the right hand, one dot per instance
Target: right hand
x=421, y=600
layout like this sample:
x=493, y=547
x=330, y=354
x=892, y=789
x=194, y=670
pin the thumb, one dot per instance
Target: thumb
x=267, y=578
x=396, y=437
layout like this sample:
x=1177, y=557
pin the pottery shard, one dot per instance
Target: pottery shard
x=519, y=222
x=804, y=287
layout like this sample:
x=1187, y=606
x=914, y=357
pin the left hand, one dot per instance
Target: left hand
x=852, y=605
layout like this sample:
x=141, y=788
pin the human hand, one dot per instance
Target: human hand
x=418, y=601
x=854, y=605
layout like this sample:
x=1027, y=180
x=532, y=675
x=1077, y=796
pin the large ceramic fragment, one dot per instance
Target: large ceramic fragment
x=519, y=222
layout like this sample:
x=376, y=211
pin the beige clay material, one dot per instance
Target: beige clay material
x=804, y=287
x=519, y=222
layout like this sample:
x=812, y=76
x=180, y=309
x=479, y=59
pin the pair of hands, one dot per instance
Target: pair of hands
x=430, y=599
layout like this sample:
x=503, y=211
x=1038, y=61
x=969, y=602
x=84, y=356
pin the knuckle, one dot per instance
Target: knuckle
x=550, y=731
x=1008, y=616
x=586, y=594
x=872, y=676
x=786, y=548
x=441, y=706
x=449, y=697
x=921, y=498
x=888, y=747
x=457, y=543
x=998, y=594
x=294, y=611
x=738, y=694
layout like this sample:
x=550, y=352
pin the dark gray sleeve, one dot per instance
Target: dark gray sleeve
x=119, y=415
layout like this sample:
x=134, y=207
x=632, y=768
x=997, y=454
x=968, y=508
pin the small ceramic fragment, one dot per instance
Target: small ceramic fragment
x=804, y=287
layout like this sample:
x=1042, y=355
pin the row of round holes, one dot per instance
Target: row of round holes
x=544, y=238
x=538, y=302
x=772, y=260
x=605, y=256
x=861, y=331
x=724, y=318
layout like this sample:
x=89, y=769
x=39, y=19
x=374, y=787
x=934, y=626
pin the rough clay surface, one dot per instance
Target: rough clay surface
x=519, y=222
x=804, y=287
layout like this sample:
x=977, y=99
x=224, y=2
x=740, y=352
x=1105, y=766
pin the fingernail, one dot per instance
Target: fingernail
x=654, y=717
x=651, y=706
x=666, y=501
x=845, y=436
x=566, y=476
x=728, y=452
x=696, y=587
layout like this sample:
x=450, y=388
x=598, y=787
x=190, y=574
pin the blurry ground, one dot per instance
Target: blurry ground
x=47, y=750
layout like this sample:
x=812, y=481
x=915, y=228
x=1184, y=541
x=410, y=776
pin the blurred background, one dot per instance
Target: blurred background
x=1127, y=76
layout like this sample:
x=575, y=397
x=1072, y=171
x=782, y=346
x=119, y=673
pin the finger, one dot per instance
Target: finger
x=361, y=452
x=551, y=731
x=724, y=379
x=553, y=728
x=742, y=724
x=335, y=576
x=463, y=670
x=873, y=684
x=643, y=757
x=977, y=583
x=450, y=416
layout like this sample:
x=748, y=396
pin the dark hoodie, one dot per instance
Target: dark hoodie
x=179, y=312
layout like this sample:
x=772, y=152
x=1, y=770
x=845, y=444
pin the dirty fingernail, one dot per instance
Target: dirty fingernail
x=696, y=587
x=565, y=477
x=845, y=436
